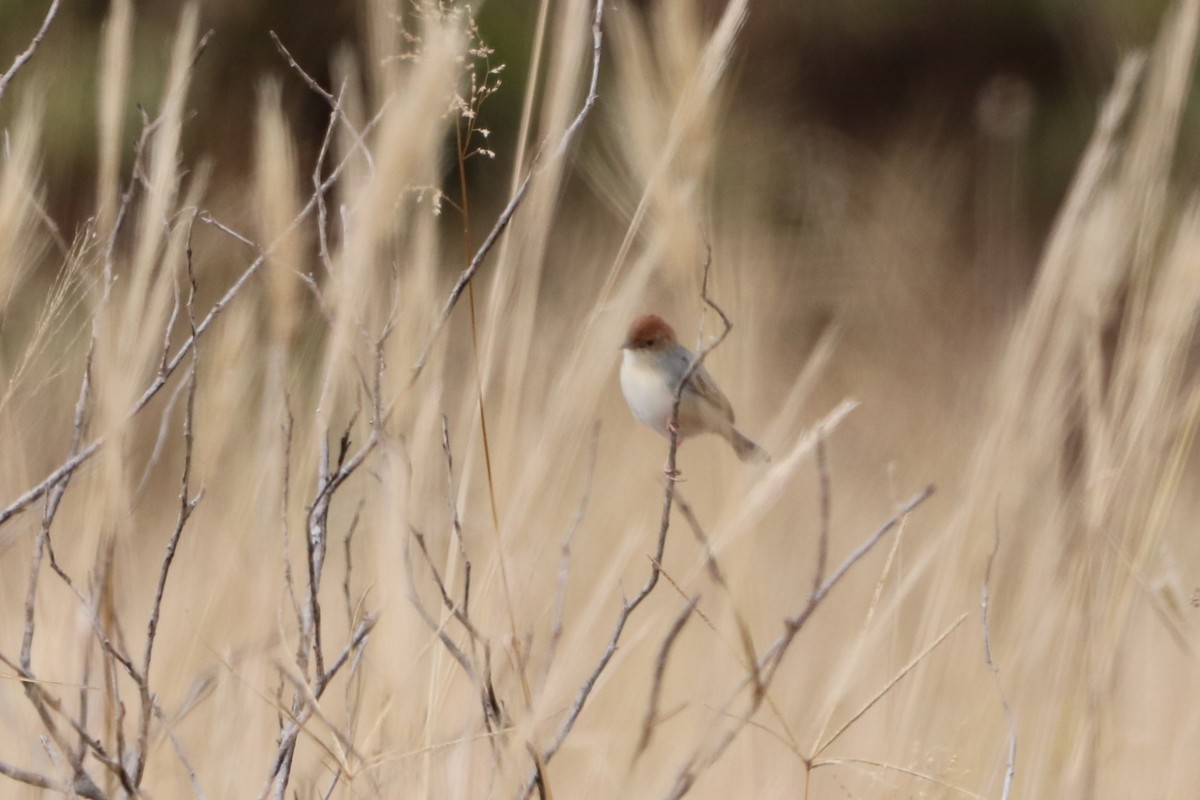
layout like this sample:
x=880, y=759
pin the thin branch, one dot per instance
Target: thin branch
x=208, y=219
x=309, y=81
x=82, y=786
x=42, y=544
x=494, y=715
x=169, y=328
x=160, y=442
x=311, y=707
x=455, y=522
x=628, y=606
x=660, y=669
x=826, y=512
x=347, y=540
x=316, y=530
x=322, y=210
x=768, y=664
x=695, y=364
x=518, y=197
x=187, y=504
x=357, y=641
x=44, y=702
x=66, y=468
x=796, y=622
x=439, y=630
x=285, y=497
x=455, y=610
x=74, y=462
x=304, y=705
x=27, y=54
x=749, y=654
x=178, y=747
x=335, y=105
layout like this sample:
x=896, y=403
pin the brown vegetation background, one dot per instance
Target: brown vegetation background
x=282, y=513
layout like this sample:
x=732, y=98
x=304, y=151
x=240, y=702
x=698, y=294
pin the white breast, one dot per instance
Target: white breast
x=646, y=392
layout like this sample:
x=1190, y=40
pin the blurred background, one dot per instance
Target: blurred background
x=980, y=83
x=880, y=183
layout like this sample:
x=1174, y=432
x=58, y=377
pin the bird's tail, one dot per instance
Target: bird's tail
x=747, y=449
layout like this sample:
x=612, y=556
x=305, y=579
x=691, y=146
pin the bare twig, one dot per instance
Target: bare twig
x=335, y=105
x=84, y=701
x=309, y=81
x=74, y=462
x=310, y=623
x=49, y=708
x=797, y=621
x=169, y=328
x=494, y=716
x=768, y=664
x=317, y=527
x=314, y=677
x=518, y=197
x=347, y=540
x=42, y=544
x=629, y=605
x=28, y=52
x=66, y=468
x=160, y=441
x=81, y=786
x=455, y=522
x=322, y=211
x=315, y=541
x=179, y=752
x=310, y=709
x=357, y=642
x=826, y=512
x=439, y=630
x=458, y=612
x=749, y=655
x=304, y=705
x=702, y=351
x=187, y=504
x=208, y=219
x=660, y=668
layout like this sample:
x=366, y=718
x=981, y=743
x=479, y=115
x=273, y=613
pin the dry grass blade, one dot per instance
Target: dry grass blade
x=1011, y=762
x=503, y=580
x=703, y=757
x=518, y=197
x=863, y=762
x=899, y=676
x=156, y=385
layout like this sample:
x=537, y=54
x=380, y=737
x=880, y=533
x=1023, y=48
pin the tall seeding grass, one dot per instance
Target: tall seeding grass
x=289, y=512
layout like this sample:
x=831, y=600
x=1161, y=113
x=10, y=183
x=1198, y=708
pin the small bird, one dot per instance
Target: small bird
x=651, y=368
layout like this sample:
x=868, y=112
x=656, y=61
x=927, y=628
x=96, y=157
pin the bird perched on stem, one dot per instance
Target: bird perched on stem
x=652, y=365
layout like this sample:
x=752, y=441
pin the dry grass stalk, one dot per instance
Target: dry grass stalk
x=473, y=648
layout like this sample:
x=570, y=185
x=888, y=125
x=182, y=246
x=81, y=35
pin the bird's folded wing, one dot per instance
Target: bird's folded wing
x=704, y=385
